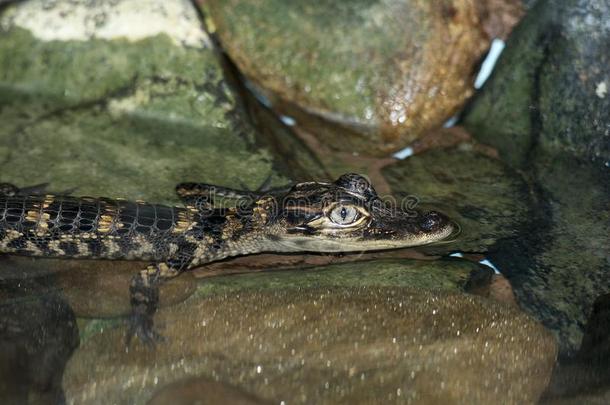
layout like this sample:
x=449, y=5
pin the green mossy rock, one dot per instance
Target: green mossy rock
x=551, y=88
x=121, y=118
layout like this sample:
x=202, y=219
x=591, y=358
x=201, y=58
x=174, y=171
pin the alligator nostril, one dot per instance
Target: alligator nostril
x=431, y=221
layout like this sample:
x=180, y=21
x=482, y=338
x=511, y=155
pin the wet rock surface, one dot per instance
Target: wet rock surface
x=365, y=77
x=523, y=105
x=323, y=345
x=294, y=155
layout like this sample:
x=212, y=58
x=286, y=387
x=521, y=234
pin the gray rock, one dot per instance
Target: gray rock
x=551, y=88
x=546, y=111
x=560, y=263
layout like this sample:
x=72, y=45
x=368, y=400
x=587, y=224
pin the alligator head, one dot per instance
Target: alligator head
x=347, y=216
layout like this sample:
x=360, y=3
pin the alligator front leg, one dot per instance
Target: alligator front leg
x=144, y=294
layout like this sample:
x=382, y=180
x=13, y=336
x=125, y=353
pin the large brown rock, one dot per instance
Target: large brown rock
x=369, y=76
x=327, y=345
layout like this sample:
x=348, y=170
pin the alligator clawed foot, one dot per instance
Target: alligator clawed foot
x=142, y=327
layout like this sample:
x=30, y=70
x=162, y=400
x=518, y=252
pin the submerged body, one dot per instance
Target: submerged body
x=343, y=216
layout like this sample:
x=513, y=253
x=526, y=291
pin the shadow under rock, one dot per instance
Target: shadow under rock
x=586, y=377
x=38, y=334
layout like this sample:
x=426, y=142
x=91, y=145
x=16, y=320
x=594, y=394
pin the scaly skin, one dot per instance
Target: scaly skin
x=343, y=216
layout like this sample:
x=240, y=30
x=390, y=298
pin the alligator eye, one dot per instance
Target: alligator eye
x=432, y=220
x=344, y=215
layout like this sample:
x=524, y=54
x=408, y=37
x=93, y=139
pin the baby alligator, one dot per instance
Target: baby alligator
x=343, y=216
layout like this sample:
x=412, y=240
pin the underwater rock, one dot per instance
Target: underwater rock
x=488, y=284
x=21, y=267
x=363, y=77
x=484, y=196
x=522, y=106
x=202, y=391
x=120, y=114
x=597, y=397
x=327, y=344
x=365, y=269
x=100, y=289
x=278, y=261
x=445, y=274
x=38, y=333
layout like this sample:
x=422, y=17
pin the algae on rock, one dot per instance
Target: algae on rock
x=448, y=274
x=121, y=119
